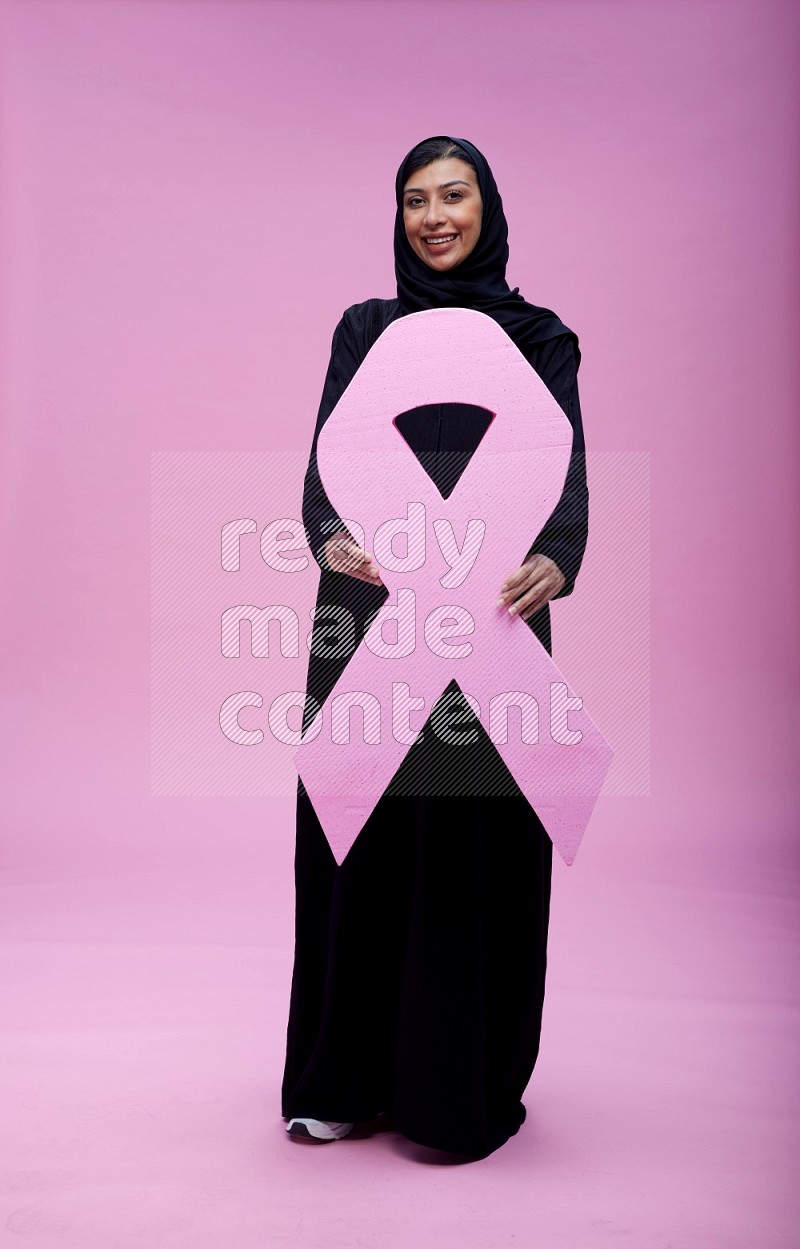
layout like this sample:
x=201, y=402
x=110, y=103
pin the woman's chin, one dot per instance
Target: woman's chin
x=442, y=263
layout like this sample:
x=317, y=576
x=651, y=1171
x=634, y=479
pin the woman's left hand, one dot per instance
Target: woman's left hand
x=531, y=586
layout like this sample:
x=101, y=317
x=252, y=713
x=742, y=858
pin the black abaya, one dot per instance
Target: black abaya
x=419, y=967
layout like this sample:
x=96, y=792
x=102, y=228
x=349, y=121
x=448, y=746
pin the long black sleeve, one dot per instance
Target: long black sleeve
x=319, y=515
x=563, y=538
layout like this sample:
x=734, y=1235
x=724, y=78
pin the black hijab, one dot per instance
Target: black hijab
x=479, y=282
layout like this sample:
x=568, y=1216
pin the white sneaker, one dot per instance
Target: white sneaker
x=318, y=1129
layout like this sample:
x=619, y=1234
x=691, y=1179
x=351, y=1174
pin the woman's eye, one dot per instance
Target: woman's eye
x=416, y=200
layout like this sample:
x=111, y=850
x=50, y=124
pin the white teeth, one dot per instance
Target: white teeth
x=448, y=239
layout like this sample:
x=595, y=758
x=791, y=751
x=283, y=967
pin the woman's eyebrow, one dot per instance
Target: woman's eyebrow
x=455, y=182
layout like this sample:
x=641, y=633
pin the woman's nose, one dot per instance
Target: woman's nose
x=433, y=216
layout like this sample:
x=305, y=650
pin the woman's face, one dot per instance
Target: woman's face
x=442, y=201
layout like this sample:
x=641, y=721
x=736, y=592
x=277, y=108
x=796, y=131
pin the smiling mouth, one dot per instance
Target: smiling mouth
x=434, y=240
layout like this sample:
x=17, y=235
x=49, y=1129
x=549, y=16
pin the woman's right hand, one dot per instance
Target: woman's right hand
x=342, y=554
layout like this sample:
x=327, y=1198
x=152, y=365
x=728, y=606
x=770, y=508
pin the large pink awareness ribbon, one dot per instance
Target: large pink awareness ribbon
x=503, y=498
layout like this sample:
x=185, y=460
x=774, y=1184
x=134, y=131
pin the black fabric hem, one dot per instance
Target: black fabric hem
x=451, y=1145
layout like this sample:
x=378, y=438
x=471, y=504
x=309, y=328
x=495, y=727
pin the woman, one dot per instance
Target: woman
x=419, y=967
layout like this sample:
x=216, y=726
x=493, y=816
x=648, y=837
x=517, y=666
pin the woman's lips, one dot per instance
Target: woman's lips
x=441, y=247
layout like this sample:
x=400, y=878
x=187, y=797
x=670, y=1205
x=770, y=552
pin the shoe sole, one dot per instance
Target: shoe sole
x=300, y=1132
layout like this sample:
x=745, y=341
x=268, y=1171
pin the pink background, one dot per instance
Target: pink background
x=192, y=193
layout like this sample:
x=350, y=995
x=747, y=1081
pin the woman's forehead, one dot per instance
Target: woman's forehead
x=439, y=173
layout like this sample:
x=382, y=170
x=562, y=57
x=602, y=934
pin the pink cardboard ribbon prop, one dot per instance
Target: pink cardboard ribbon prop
x=443, y=592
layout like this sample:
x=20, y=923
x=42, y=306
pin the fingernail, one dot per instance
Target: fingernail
x=499, y=602
x=512, y=609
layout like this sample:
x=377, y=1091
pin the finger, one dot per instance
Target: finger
x=346, y=546
x=522, y=577
x=516, y=577
x=341, y=561
x=513, y=585
x=349, y=558
x=531, y=611
x=368, y=567
x=533, y=599
x=373, y=572
x=372, y=578
x=344, y=555
x=536, y=577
